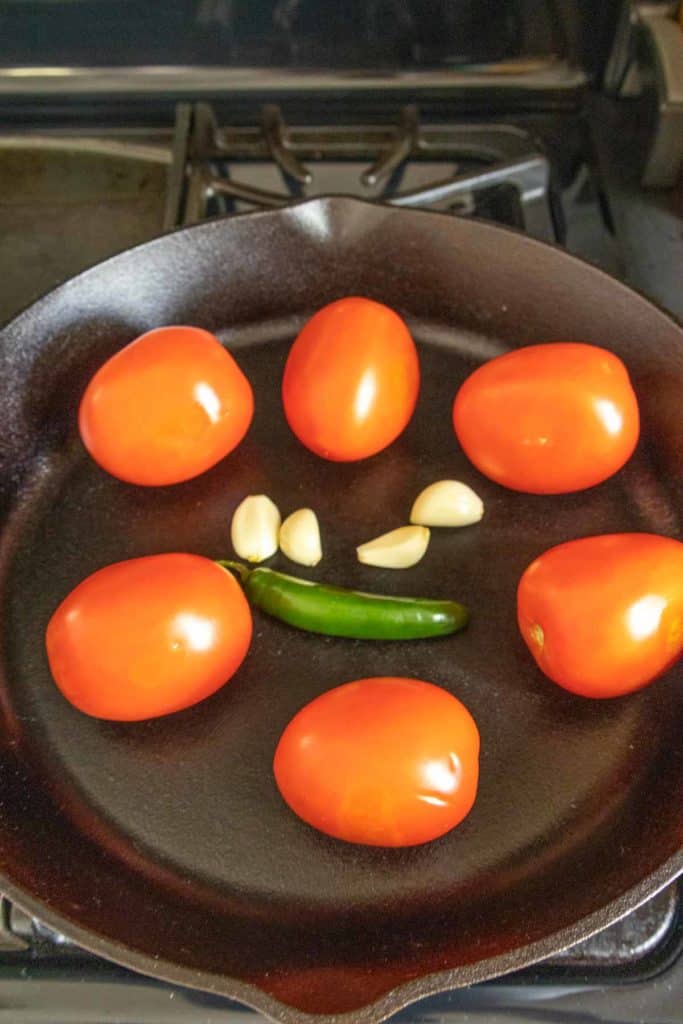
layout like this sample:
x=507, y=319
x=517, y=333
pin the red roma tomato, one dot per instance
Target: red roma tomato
x=166, y=408
x=548, y=418
x=603, y=616
x=147, y=637
x=351, y=380
x=384, y=761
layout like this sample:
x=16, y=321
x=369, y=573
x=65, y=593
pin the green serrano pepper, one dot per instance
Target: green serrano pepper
x=334, y=611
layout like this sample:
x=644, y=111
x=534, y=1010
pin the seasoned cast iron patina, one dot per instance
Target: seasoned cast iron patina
x=165, y=845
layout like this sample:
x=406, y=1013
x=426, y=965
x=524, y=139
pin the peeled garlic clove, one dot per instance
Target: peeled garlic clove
x=255, y=528
x=300, y=537
x=447, y=503
x=398, y=549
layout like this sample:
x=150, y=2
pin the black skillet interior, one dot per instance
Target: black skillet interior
x=165, y=844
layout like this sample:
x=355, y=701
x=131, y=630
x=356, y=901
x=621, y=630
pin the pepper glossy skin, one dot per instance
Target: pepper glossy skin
x=335, y=611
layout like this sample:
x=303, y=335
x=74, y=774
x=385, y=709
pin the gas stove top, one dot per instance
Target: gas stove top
x=71, y=195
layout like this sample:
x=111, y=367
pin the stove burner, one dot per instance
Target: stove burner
x=492, y=170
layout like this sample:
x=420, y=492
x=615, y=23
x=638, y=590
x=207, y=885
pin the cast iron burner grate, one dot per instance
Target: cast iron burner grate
x=497, y=171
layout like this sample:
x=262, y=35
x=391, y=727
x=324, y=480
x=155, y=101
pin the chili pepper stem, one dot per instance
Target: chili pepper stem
x=235, y=567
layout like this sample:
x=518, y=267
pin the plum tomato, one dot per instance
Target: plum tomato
x=384, y=761
x=603, y=616
x=165, y=408
x=351, y=380
x=548, y=419
x=149, y=636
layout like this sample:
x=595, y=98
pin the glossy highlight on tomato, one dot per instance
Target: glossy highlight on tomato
x=148, y=637
x=351, y=380
x=548, y=419
x=165, y=408
x=603, y=616
x=385, y=761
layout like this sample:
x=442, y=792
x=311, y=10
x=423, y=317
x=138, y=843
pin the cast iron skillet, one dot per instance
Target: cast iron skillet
x=165, y=845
